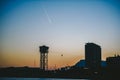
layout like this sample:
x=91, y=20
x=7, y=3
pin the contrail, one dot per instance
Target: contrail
x=46, y=13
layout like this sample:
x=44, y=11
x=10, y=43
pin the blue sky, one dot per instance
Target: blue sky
x=65, y=26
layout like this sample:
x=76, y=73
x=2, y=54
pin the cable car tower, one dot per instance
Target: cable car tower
x=44, y=57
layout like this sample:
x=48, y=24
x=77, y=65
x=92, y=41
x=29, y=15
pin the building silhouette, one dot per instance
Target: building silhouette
x=92, y=55
x=113, y=61
x=44, y=57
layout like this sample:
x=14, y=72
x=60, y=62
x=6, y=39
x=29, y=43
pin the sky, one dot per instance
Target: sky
x=63, y=25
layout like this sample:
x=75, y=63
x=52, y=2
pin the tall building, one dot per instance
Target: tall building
x=92, y=55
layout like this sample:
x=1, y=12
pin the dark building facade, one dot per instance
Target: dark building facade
x=113, y=61
x=92, y=55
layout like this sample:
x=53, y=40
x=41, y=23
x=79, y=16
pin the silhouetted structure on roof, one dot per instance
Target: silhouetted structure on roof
x=113, y=61
x=92, y=55
x=44, y=57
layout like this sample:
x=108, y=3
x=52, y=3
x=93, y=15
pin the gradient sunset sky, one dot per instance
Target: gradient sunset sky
x=63, y=25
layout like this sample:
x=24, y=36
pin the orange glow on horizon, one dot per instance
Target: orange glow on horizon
x=17, y=58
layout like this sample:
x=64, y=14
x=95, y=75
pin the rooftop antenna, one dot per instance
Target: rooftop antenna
x=34, y=62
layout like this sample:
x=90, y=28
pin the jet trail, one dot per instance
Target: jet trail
x=47, y=16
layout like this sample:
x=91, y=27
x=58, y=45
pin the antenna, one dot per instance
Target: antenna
x=34, y=62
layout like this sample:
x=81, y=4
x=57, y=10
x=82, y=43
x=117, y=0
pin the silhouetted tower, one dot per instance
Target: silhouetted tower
x=93, y=55
x=44, y=57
